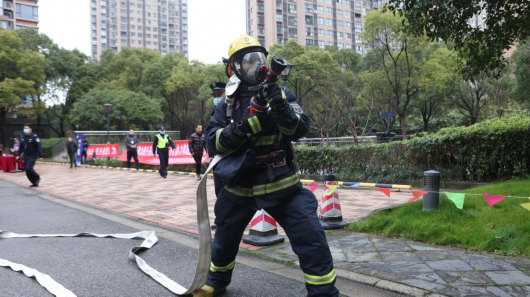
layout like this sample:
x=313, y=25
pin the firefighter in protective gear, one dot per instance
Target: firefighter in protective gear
x=263, y=175
x=161, y=144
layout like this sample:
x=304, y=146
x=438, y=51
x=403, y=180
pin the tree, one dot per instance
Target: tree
x=439, y=73
x=470, y=97
x=521, y=62
x=400, y=59
x=481, y=47
x=131, y=110
x=20, y=71
x=124, y=71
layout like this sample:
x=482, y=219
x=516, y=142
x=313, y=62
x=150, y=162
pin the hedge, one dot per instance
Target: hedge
x=48, y=145
x=490, y=150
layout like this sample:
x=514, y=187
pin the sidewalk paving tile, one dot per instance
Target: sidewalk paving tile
x=486, y=263
x=449, y=265
x=508, y=277
x=463, y=278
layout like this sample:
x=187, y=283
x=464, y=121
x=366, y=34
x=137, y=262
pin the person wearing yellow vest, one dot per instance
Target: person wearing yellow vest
x=161, y=143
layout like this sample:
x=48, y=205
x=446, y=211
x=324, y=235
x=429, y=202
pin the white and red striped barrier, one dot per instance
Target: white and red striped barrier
x=263, y=230
x=330, y=213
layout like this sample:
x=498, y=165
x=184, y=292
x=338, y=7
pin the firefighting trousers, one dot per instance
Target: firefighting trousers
x=297, y=215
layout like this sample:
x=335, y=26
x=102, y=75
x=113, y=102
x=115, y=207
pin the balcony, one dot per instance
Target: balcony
x=9, y=5
x=7, y=25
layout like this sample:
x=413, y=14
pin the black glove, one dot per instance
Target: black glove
x=275, y=97
x=251, y=122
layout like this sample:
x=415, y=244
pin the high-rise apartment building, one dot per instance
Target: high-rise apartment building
x=310, y=22
x=160, y=25
x=18, y=14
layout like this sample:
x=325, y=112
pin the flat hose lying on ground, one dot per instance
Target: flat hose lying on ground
x=150, y=239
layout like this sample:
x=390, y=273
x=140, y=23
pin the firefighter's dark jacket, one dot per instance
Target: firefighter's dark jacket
x=255, y=188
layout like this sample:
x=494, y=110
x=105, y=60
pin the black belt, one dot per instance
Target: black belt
x=274, y=159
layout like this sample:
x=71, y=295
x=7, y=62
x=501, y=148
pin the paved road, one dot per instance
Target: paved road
x=100, y=267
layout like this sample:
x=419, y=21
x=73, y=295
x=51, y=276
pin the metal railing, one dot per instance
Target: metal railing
x=335, y=141
x=118, y=137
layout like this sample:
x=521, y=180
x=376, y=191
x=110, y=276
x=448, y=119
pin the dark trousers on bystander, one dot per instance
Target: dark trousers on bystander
x=133, y=154
x=198, y=161
x=73, y=160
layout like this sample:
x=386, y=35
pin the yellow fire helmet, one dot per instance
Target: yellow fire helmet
x=241, y=48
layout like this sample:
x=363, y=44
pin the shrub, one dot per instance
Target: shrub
x=490, y=150
x=48, y=145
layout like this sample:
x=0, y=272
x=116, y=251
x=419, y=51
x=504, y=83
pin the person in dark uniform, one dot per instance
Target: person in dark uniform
x=85, y=150
x=218, y=93
x=161, y=143
x=71, y=148
x=31, y=147
x=197, y=145
x=260, y=174
x=131, y=143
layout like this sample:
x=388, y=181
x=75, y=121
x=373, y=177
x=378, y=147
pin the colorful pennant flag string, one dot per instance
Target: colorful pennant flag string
x=384, y=190
x=417, y=194
x=492, y=199
x=457, y=198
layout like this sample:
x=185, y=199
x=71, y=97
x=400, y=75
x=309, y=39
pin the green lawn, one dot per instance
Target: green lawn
x=503, y=228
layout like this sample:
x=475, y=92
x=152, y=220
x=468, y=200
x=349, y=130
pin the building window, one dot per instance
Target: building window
x=261, y=20
x=309, y=20
x=279, y=18
x=330, y=33
x=320, y=32
x=347, y=2
x=27, y=12
x=329, y=10
x=339, y=24
x=321, y=21
x=347, y=14
x=293, y=33
x=330, y=22
x=279, y=30
x=358, y=6
x=348, y=46
x=330, y=43
x=348, y=36
x=261, y=32
x=339, y=35
x=320, y=9
x=339, y=12
x=279, y=41
x=358, y=28
x=292, y=20
x=261, y=42
x=292, y=8
x=321, y=44
x=341, y=46
x=309, y=32
x=309, y=42
x=279, y=5
x=309, y=8
x=348, y=25
x=339, y=1
x=261, y=9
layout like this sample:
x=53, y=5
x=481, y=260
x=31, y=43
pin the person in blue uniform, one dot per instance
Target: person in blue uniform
x=260, y=174
x=30, y=149
x=161, y=144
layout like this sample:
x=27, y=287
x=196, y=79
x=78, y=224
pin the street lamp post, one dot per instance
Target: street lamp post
x=108, y=107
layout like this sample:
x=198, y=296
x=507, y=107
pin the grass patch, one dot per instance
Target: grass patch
x=503, y=228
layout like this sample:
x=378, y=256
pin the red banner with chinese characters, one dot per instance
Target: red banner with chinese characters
x=103, y=150
x=180, y=156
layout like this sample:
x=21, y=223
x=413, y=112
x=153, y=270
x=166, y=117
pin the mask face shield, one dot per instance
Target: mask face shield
x=251, y=67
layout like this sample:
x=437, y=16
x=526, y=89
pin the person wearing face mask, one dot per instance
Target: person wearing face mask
x=197, y=145
x=71, y=148
x=260, y=172
x=131, y=143
x=161, y=145
x=30, y=148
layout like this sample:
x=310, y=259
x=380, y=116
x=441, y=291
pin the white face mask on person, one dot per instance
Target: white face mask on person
x=26, y=131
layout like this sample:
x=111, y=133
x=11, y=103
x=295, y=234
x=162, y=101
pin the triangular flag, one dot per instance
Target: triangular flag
x=330, y=190
x=417, y=194
x=526, y=205
x=492, y=199
x=457, y=198
x=313, y=187
x=384, y=190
